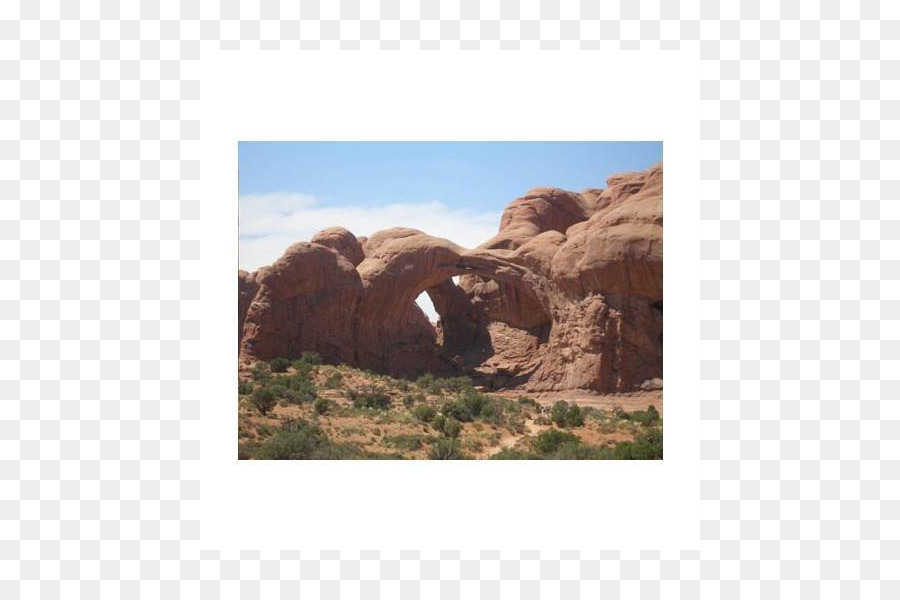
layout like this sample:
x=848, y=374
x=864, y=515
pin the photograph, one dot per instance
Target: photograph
x=450, y=300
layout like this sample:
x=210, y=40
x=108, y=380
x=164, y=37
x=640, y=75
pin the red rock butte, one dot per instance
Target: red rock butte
x=567, y=295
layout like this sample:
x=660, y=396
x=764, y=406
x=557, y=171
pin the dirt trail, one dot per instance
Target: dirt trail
x=508, y=440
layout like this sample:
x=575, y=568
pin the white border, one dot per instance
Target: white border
x=464, y=505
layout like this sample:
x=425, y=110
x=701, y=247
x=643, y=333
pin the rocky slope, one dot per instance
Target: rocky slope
x=567, y=295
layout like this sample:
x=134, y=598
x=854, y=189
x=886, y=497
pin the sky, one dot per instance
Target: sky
x=457, y=190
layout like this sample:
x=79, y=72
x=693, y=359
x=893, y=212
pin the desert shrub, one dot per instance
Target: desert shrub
x=457, y=409
x=263, y=400
x=425, y=382
x=334, y=380
x=294, y=389
x=645, y=446
x=402, y=385
x=455, y=384
x=559, y=413
x=492, y=412
x=433, y=385
x=542, y=420
x=578, y=451
x=644, y=417
x=593, y=413
x=452, y=428
x=516, y=423
x=260, y=371
x=445, y=449
x=424, y=413
x=321, y=406
x=437, y=423
x=564, y=414
x=473, y=401
x=297, y=438
x=244, y=388
x=404, y=441
x=549, y=441
x=279, y=365
x=529, y=402
x=574, y=416
x=372, y=398
x=512, y=454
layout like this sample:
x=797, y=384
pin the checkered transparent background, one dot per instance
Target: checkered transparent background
x=99, y=324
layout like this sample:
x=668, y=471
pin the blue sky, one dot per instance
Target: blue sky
x=476, y=175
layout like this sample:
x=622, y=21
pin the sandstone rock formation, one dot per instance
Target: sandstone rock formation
x=567, y=295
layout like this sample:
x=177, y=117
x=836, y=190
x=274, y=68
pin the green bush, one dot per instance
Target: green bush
x=645, y=446
x=263, y=399
x=437, y=423
x=279, y=365
x=574, y=417
x=578, y=451
x=322, y=406
x=456, y=384
x=549, y=441
x=425, y=382
x=432, y=385
x=299, y=439
x=564, y=414
x=452, y=428
x=424, y=413
x=492, y=412
x=244, y=388
x=529, y=402
x=334, y=380
x=644, y=417
x=260, y=371
x=457, y=409
x=371, y=398
x=294, y=389
x=473, y=401
x=445, y=449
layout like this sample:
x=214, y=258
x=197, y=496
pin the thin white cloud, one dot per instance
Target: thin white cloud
x=269, y=223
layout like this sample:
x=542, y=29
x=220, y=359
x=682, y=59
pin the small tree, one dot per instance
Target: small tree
x=321, y=406
x=263, y=399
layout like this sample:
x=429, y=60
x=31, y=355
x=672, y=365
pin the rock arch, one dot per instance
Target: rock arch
x=567, y=295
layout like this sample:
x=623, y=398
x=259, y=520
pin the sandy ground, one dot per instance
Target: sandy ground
x=630, y=401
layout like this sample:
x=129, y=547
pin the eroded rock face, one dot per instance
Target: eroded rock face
x=567, y=295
